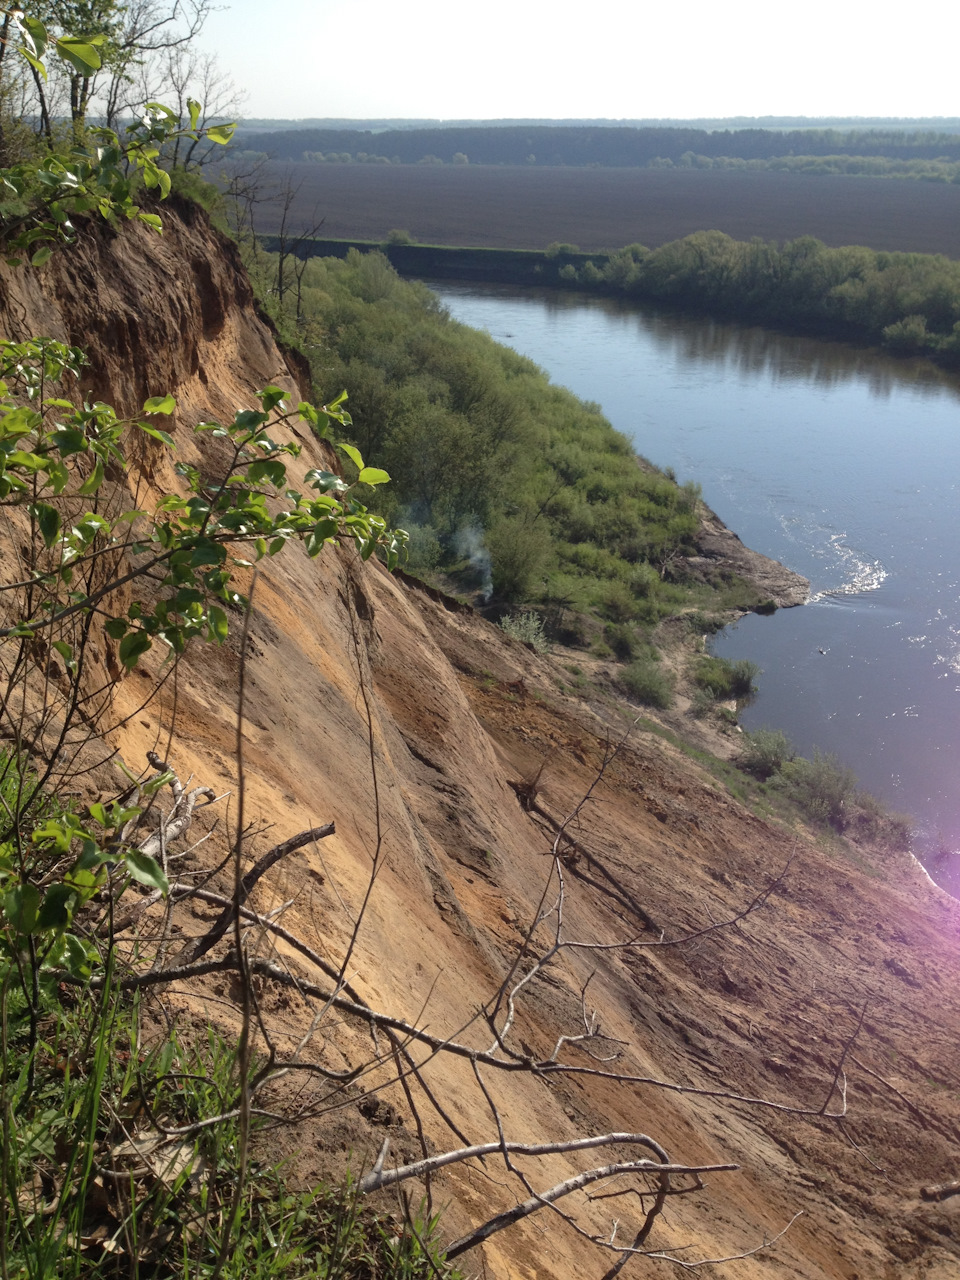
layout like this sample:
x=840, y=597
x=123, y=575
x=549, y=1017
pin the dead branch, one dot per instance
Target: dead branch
x=260, y=868
x=377, y=1179
x=545, y=1198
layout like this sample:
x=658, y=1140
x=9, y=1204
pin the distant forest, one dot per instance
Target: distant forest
x=906, y=124
x=605, y=146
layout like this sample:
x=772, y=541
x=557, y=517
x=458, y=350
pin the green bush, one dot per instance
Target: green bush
x=423, y=548
x=766, y=751
x=519, y=557
x=527, y=628
x=645, y=681
x=873, y=822
x=703, y=624
x=724, y=679
x=622, y=639
x=821, y=788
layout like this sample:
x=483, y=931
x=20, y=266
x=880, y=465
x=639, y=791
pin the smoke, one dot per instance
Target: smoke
x=468, y=542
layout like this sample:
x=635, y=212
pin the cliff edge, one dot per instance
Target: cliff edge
x=727, y=986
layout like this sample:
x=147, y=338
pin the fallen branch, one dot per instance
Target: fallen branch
x=260, y=868
x=546, y=1198
x=376, y=1179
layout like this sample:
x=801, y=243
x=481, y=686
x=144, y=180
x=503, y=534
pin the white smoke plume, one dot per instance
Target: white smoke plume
x=469, y=542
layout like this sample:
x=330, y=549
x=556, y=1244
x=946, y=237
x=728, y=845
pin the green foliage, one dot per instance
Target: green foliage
x=821, y=788
x=471, y=432
x=723, y=679
x=766, y=751
x=41, y=199
x=527, y=627
x=703, y=624
x=54, y=459
x=909, y=302
x=645, y=681
x=519, y=555
x=85, y=1099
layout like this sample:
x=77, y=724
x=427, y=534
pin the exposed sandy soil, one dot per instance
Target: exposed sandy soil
x=517, y=208
x=764, y=1009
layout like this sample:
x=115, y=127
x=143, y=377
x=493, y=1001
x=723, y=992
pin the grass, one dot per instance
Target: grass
x=99, y=1103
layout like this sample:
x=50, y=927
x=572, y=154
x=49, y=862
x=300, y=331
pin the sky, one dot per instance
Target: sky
x=457, y=59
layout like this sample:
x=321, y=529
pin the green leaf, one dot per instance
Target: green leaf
x=373, y=475
x=116, y=628
x=221, y=133
x=48, y=522
x=160, y=404
x=80, y=54
x=132, y=646
x=218, y=623
x=270, y=397
x=321, y=532
x=206, y=552
x=40, y=69
x=57, y=909
x=194, y=108
x=21, y=906
x=98, y=813
x=78, y=957
x=353, y=454
x=325, y=481
x=147, y=870
x=94, y=479
x=37, y=33
x=151, y=219
x=41, y=256
x=68, y=440
x=66, y=653
x=158, y=435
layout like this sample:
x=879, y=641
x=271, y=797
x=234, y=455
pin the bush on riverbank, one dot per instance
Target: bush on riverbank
x=907, y=302
x=823, y=791
x=514, y=485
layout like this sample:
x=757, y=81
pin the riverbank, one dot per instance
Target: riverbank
x=906, y=303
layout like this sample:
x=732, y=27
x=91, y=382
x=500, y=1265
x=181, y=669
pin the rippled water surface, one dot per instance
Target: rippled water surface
x=841, y=463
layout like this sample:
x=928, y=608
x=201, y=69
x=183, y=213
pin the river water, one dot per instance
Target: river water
x=839, y=462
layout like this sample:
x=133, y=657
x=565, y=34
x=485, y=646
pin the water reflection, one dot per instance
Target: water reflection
x=749, y=350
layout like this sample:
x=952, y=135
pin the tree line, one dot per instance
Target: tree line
x=604, y=145
x=906, y=302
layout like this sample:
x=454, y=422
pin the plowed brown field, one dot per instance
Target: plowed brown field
x=608, y=208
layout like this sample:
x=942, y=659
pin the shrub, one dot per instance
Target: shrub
x=622, y=639
x=821, y=788
x=646, y=682
x=519, y=556
x=527, y=628
x=423, y=548
x=703, y=624
x=766, y=751
x=872, y=821
x=724, y=679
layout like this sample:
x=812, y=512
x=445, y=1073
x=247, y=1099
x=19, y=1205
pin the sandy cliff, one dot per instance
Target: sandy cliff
x=763, y=1009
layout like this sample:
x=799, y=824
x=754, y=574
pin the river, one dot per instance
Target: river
x=840, y=462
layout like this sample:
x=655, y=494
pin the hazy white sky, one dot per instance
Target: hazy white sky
x=441, y=58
